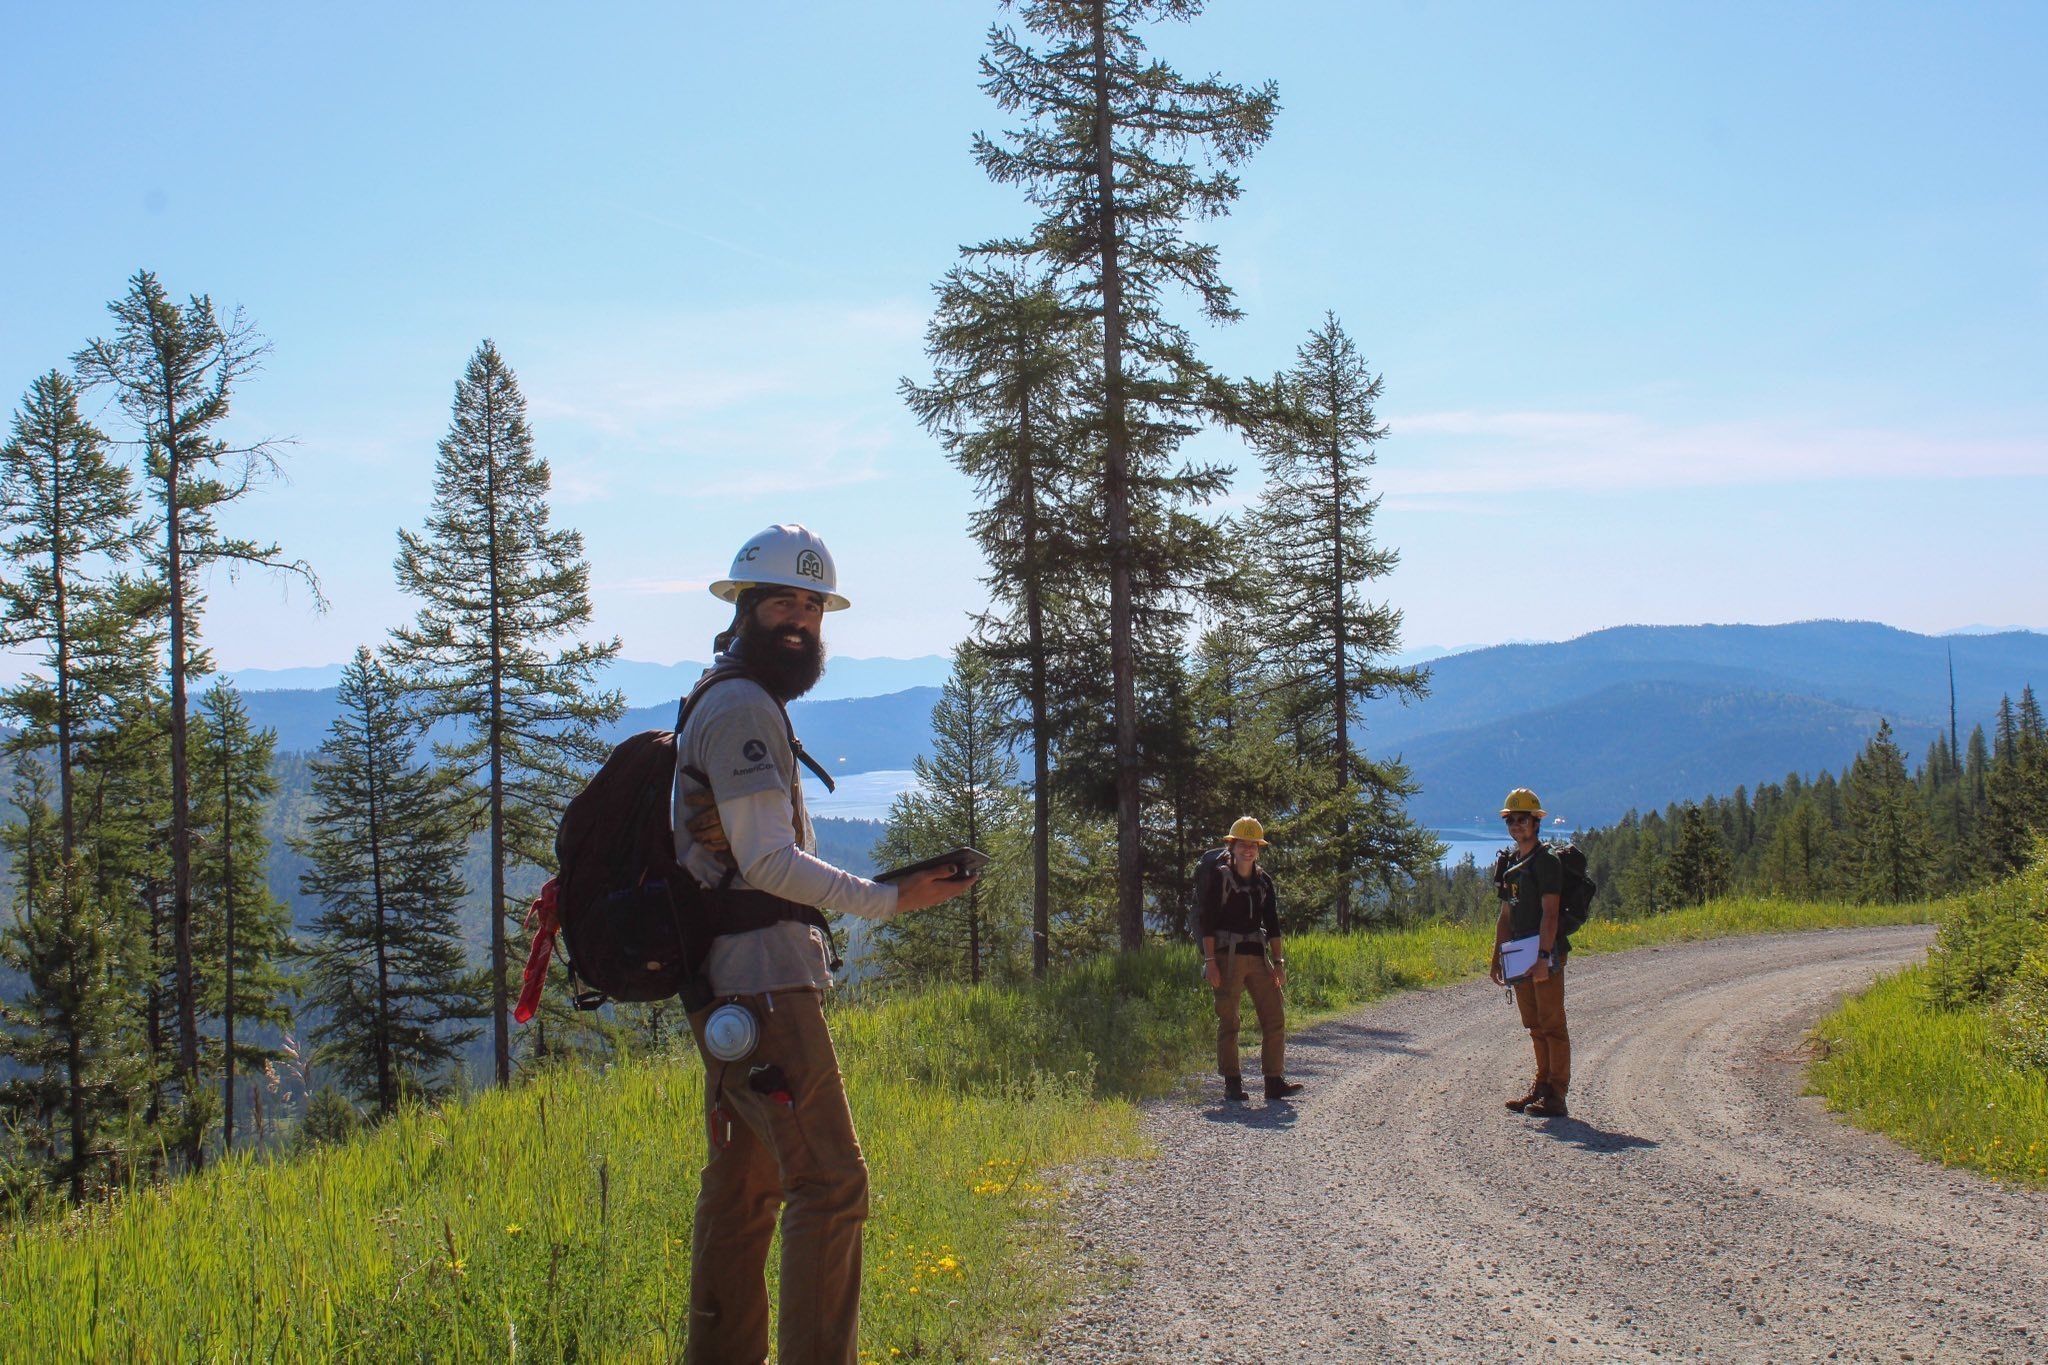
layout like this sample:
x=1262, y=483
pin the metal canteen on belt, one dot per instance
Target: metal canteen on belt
x=731, y=1032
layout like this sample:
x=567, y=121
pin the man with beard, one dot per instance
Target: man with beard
x=777, y=1119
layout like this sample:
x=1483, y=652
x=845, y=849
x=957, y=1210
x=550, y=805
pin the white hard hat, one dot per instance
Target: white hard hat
x=784, y=557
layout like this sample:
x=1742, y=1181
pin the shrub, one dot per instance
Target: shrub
x=1986, y=935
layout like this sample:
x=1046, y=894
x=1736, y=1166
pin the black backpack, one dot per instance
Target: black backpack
x=1575, y=903
x=635, y=923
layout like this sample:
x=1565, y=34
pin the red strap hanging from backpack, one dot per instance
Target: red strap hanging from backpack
x=544, y=917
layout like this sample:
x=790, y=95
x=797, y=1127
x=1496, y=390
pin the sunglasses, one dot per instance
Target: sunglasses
x=1521, y=819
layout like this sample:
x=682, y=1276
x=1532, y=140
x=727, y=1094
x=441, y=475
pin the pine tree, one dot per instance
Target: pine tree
x=1222, y=755
x=1886, y=851
x=385, y=961
x=124, y=819
x=1698, y=867
x=174, y=371
x=1098, y=158
x=68, y=516
x=1008, y=357
x=2015, y=785
x=242, y=933
x=966, y=794
x=500, y=586
x=66, y=512
x=1326, y=646
x=66, y=1031
x=1796, y=860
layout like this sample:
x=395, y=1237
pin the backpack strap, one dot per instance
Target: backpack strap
x=721, y=674
x=738, y=912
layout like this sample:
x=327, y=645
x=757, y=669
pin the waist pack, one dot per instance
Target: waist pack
x=636, y=925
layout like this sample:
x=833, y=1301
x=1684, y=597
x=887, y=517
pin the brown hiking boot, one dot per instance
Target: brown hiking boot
x=1279, y=1087
x=1548, y=1105
x=1522, y=1102
x=1233, y=1088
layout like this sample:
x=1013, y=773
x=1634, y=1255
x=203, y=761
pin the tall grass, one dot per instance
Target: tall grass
x=1951, y=1058
x=1935, y=1080
x=552, y=1221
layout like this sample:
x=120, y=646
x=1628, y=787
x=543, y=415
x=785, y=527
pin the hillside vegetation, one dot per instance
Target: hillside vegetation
x=552, y=1219
x=1951, y=1058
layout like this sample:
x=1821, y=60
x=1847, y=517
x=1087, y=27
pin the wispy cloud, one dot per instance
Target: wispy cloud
x=732, y=403
x=1466, y=452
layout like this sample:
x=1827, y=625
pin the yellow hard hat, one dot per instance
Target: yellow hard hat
x=1249, y=830
x=1522, y=801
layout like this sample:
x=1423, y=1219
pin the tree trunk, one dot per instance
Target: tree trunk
x=1041, y=740
x=1116, y=499
x=227, y=893
x=181, y=814
x=386, y=1101
x=74, y=1044
x=974, y=790
x=1343, y=689
x=501, y=1041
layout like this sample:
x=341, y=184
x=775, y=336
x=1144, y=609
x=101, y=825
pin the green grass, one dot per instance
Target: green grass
x=1934, y=1080
x=552, y=1220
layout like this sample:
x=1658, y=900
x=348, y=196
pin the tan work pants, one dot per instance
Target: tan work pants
x=1249, y=972
x=1542, y=1007
x=782, y=1141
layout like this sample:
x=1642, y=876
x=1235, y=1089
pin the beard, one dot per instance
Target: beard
x=786, y=669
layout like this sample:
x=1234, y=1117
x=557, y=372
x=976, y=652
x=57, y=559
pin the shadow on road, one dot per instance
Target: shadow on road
x=1274, y=1115
x=1364, y=1035
x=1584, y=1136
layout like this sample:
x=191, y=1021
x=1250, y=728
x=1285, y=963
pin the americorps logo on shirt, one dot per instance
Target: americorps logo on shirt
x=754, y=750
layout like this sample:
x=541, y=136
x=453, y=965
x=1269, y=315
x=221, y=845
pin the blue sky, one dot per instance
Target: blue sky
x=1707, y=313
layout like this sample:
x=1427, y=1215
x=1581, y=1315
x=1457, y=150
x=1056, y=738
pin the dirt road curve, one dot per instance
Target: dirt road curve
x=1695, y=1205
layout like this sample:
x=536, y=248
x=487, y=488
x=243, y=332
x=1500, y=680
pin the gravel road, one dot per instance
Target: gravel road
x=1694, y=1206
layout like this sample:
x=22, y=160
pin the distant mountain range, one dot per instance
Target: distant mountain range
x=1632, y=716
x=648, y=684
x=1644, y=715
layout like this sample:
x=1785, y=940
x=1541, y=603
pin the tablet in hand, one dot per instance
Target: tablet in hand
x=965, y=862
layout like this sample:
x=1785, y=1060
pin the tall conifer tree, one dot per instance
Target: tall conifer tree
x=966, y=795
x=1326, y=647
x=174, y=370
x=67, y=514
x=1101, y=156
x=1698, y=866
x=242, y=932
x=500, y=588
x=386, y=964
x=1886, y=852
x=1009, y=358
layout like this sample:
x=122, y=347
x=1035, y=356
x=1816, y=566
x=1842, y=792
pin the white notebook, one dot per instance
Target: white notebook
x=1518, y=955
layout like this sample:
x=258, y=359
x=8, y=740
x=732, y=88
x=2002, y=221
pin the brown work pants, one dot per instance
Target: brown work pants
x=1249, y=972
x=783, y=1142
x=1542, y=1007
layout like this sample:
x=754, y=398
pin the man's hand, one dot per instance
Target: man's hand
x=1280, y=974
x=1496, y=971
x=922, y=890
x=1541, y=971
x=1214, y=972
x=704, y=825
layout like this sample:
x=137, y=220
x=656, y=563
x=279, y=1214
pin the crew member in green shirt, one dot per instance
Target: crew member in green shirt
x=1530, y=881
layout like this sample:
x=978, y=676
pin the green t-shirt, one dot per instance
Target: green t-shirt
x=1523, y=884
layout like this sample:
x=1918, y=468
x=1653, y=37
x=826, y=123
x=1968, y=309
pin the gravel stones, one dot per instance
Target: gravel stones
x=1695, y=1206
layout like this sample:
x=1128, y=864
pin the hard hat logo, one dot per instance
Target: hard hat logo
x=788, y=556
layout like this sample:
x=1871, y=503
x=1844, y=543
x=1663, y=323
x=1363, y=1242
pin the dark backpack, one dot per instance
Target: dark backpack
x=635, y=924
x=1575, y=906
x=1575, y=902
